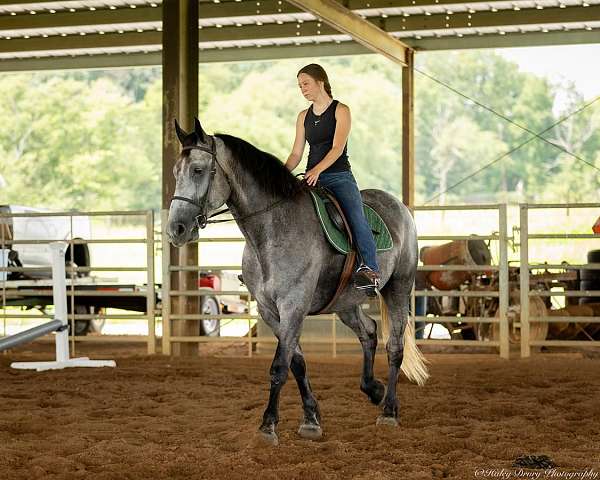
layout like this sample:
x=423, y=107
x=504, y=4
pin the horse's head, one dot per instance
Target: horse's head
x=200, y=185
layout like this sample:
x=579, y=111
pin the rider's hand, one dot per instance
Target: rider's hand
x=312, y=176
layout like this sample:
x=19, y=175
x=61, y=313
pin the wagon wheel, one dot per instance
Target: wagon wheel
x=571, y=330
x=537, y=330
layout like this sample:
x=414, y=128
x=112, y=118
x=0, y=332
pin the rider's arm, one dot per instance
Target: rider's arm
x=342, y=130
x=299, y=143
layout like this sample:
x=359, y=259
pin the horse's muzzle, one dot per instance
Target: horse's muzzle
x=178, y=233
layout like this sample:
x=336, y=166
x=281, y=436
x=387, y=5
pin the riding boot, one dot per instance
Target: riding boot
x=367, y=280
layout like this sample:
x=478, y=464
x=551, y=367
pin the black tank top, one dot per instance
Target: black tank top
x=319, y=132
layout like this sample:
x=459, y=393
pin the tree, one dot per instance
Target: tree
x=494, y=82
x=93, y=139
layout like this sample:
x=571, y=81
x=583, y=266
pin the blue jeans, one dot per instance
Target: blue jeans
x=344, y=187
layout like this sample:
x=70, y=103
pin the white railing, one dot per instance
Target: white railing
x=527, y=294
x=74, y=283
x=498, y=293
x=501, y=270
x=334, y=339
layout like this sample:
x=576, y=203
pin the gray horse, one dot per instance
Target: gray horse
x=290, y=268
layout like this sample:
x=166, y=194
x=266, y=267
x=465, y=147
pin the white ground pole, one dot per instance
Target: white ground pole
x=59, y=291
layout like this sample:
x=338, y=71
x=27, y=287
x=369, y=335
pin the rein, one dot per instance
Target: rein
x=202, y=219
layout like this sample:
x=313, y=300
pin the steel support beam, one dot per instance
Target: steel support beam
x=87, y=62
x=501, y=18
x=180, y=101
x=249, y=54
x=418, y=24
x=115, y=40
x=209, y=9
x=70, y=42
x=537, y=39
x=155, y=58
x=80, y=18
x=361, y=30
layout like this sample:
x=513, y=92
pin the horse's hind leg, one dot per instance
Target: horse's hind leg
x=311, y=425
x=397, y=297
x=366, y=331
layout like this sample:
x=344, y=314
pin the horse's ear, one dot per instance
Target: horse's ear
x=199, y=131
x=180, y=132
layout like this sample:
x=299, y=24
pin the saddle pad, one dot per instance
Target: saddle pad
x=339, y=239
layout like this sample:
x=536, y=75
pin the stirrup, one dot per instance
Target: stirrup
x=370, y=290
x=367, y=280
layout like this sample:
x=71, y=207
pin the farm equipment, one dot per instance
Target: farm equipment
x=476, y=252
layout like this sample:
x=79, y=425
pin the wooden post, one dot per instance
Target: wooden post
x=166, y=286
x=180, y=101
x=503, y=284
x=524, y=280
x=408, y=131
x=150, y=282
x=334, y=335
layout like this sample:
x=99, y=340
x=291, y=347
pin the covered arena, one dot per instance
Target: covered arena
x=513, y=388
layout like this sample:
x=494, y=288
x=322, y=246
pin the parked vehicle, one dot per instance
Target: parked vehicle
x=218, y=304
x=51, y=228
x=33, y=289
x=43, y=229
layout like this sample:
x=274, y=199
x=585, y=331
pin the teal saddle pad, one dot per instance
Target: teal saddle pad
x=339, y=238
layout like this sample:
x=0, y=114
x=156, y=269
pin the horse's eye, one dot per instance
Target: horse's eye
x=198, y=171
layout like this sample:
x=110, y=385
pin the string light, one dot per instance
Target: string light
x=513, y=5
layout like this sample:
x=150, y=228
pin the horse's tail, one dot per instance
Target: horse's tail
x=413, y=362
x=385, y=318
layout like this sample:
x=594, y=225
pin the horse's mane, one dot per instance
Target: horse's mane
x=266, y=169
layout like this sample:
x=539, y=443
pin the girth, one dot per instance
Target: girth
x=337, y=215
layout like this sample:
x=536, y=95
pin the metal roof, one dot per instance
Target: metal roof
x=94, y=33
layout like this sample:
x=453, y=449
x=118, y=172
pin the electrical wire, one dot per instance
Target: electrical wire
x=504, y=117
x=512, y=150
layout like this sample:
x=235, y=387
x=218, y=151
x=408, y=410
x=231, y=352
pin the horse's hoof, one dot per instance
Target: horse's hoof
x=269, y=438
x=385, y=420
x=377, y=394
x=310, y=431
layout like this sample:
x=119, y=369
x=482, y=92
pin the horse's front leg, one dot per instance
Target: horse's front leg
x=310, y=427
x=288, y=333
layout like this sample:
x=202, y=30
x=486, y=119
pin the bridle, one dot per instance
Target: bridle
x=202, y=219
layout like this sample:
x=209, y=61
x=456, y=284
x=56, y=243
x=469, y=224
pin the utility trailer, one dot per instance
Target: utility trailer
x=91, y=297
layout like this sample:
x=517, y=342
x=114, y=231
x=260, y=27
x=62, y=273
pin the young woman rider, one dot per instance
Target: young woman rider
x=325, y=125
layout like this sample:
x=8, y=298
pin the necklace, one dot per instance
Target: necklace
x=319, y=116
